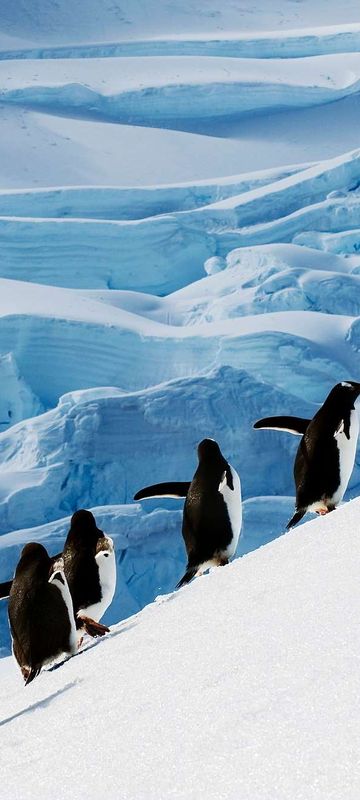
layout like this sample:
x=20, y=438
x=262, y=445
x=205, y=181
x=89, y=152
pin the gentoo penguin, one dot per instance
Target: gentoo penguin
x=326, y=454
x=90, y=570
x=41, y=616
x=212, y=511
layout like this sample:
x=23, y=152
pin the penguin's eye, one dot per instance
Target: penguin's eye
x=106, y=555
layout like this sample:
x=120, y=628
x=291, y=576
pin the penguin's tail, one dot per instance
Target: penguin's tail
x=189, y=575
x=299, y=514
x=29, y=673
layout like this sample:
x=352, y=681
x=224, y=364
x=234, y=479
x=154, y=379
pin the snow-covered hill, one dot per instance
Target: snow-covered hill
x=243, y=685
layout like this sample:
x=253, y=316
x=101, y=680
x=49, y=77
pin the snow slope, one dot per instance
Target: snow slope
x=158, y=710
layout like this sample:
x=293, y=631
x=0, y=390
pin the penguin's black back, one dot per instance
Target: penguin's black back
x=80, y=567
x=206, y=524
x=317, y=462
x=38, y=616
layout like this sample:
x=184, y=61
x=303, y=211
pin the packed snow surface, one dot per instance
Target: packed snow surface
x=244, y=684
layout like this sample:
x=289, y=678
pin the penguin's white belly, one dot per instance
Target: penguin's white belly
x=65, y=593
x=347, y=452
x=232, y=498
x=106, y=563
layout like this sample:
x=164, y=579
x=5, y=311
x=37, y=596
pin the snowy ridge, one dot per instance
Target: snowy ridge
x=117, y=202
x=276, y=44
x=177, y=244
x=112, y=90
x=113, y=343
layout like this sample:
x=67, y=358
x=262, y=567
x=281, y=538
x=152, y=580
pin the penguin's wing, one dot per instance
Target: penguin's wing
x=5, y=590
x=296, y=425
x=172, y=489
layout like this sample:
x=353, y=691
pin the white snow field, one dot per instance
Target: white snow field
x=244, y=684
x=180, y=256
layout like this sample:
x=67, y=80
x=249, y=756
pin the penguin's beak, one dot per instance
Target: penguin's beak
x=356, y=387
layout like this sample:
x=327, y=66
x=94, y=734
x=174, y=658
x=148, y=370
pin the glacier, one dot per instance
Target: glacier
x=179, y=256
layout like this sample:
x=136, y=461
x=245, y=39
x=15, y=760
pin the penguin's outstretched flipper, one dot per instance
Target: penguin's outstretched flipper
x=5, y=589
x=171, y=489
x=295, y=425
x=299, y=514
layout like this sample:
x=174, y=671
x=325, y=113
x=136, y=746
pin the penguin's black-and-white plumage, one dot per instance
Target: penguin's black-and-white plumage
x=90, y=570
x=326, y=454
x=89, y=564
x=212, y=510
x=41, y=616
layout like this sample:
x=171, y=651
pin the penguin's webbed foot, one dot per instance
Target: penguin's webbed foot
x=93, y=628
x=326, y=509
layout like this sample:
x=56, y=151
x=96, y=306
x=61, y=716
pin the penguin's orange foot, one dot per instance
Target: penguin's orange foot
x=322, y=511
x=93, y=628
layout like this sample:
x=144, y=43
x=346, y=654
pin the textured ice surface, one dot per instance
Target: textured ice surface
x=165, y=251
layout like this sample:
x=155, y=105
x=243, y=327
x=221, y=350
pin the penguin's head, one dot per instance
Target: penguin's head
x=351, y=387
x=83, y=517
x=208, y=449
x=104, y=549
x=35, y=556
x=343, y=395
x=83, y=529
x=34, y=550
x=347, y=392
